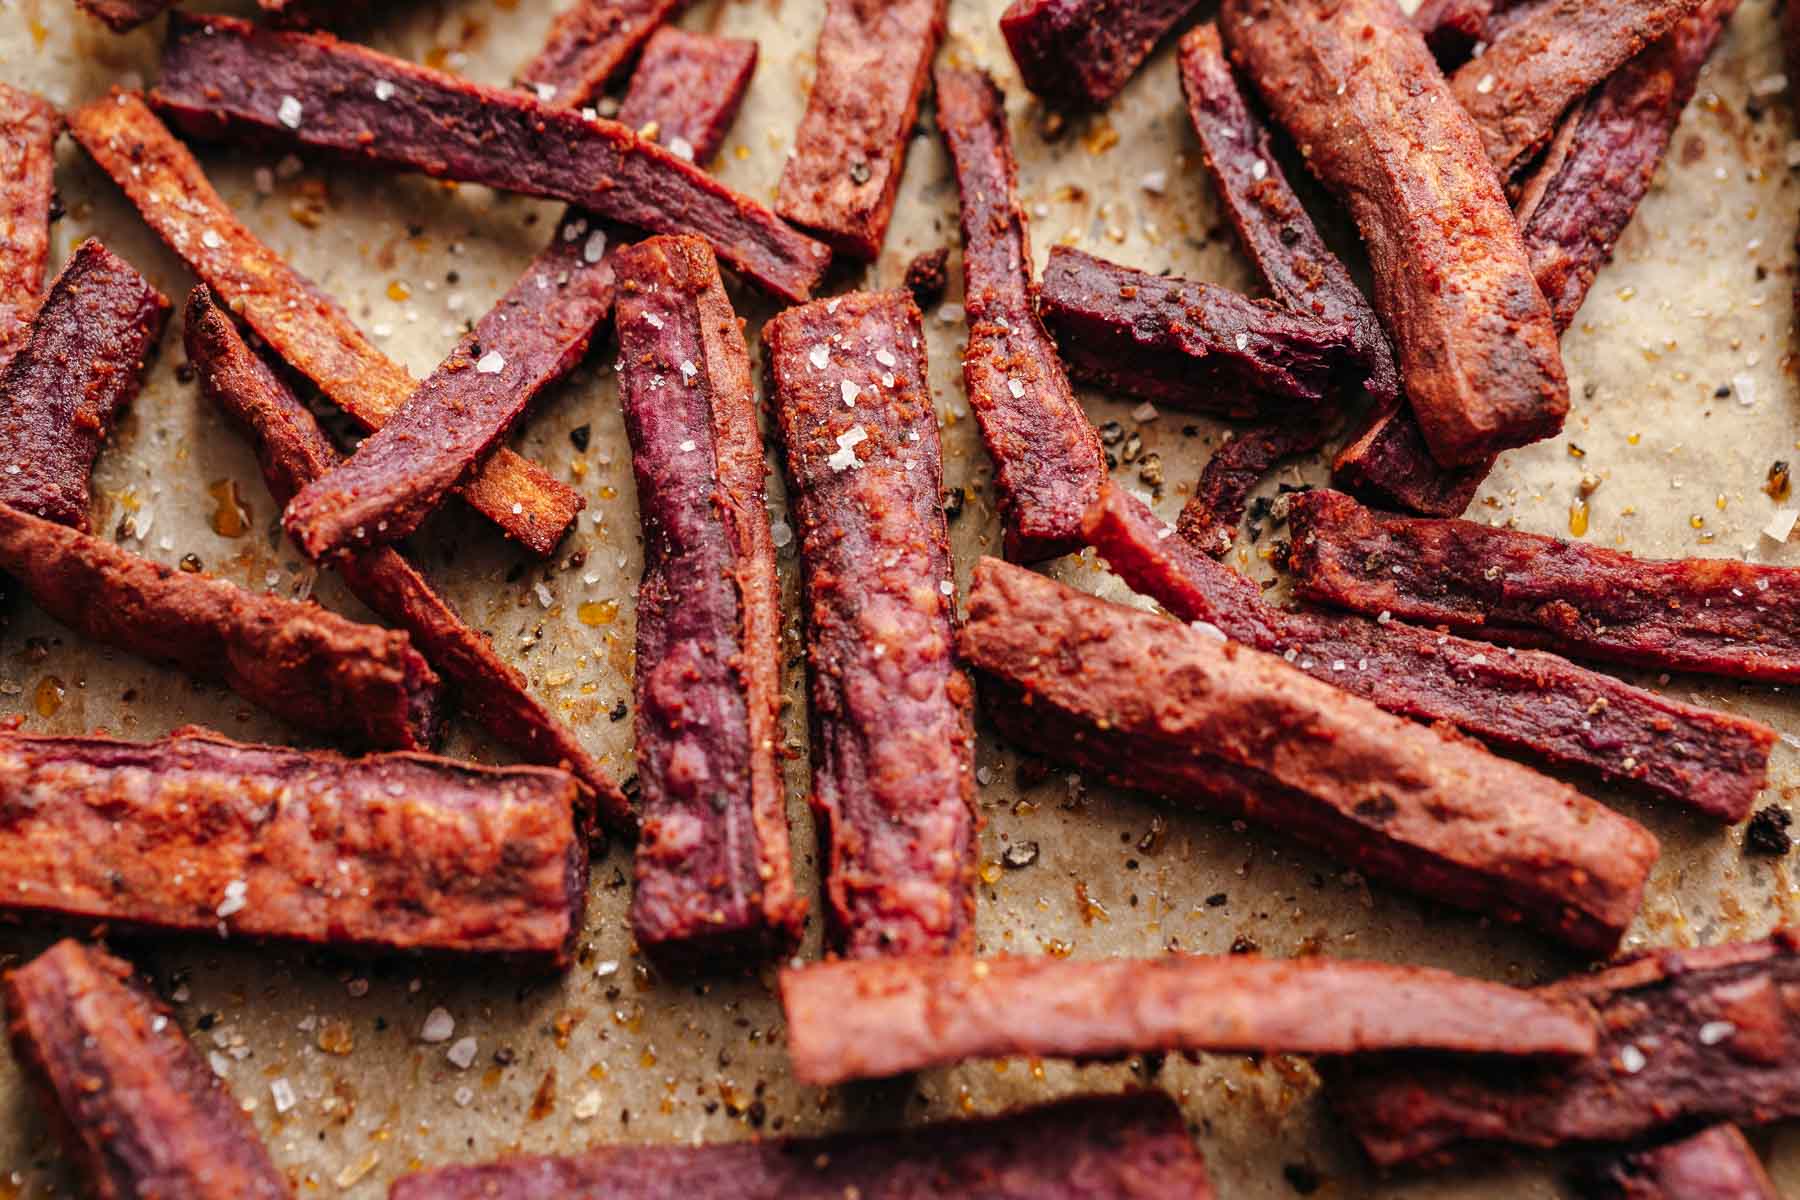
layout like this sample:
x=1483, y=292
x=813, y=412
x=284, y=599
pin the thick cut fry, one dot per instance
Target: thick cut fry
x=882, y=1017
x=1538, y=704
x=589, y=45
x=1048, y=465
x=1129, y=1147
x=1355, y=86
x=893, y=771
x=1601, y=166
x=196, y=834
x=1688, y=1037
x=1518, y=89
x=223, y=77
x=1154, y=704
x=1272, y=226
x=447, y=428
x=1082, y=52
x=27, y=183
x=138, y=1111
x=293, y=451
x=714, y=872
x=62, y=392
x=1192, y=345
x=307, y=329
x=1714, y=616
x=874, y=57
x=306, y=665
x=688, y=89
x=1387, y=462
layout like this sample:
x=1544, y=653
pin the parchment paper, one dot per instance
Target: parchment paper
x=1683, y=395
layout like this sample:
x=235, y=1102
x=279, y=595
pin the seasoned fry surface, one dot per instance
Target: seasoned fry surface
x=892, y=745
x=188, y=834
x=1552, y=55
x=1355, y=84
x=882, y=1017
x=874, y=57
x=136, y=1106
x=1708, y=615
x=1171, y=709
x=27, y=166
x=688, y=86
x=444, y=127
x=1708, y=1032
x=309, y=330
x=714, y=876
x=1532, y=703
x=1047, y=458
x=292, y=451
x=322, y=672
x=62, y=392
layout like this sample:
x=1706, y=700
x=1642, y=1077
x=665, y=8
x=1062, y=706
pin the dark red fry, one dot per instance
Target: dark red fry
x=138, y=1111
x=1688, y=1037
x=1081, y=53
x=223, y=77
x=122, y=16
x=1153, y=704
x=27, y=183
x=690, y=87
x=404, y=471
x=1710, y=762
x=1712, y=616
x=1585, y=195
x=881, y=1017
x=1355, y=87
x=1048, y=465
x=1191, y=345
x=1209, y=519
x=1551, y=56
x=198, y=834
x=63, y=391
x=714, y=871
x=1386, y=461
x=893, y=773
x=308, y=666
x=293, y=451
x=1272, y=225
x=1122, y=1147
x=303, y=326
x=1715, y=1164
x=590, y=44
x=841, y=179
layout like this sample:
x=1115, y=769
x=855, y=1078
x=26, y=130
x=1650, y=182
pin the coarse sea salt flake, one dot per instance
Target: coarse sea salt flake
x=1016, y=388
x=850, y=392
x=1781, y=524
x=845, y=458
x=1714, y=1032
x=886, y=358
x=595, y=247
x=384, y=90
x=438, y=1026
x=681, y=148
x=492, y=363
x=461, y=1053
x=283, y=1093
x=819, y=356
x=235, y=898
x=290, y=112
